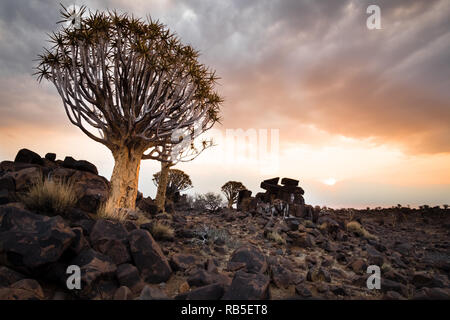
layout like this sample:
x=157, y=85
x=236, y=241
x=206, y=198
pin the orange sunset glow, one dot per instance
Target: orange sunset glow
x=362, y=116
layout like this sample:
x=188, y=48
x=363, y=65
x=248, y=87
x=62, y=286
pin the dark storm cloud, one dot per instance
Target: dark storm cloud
x=286, y=63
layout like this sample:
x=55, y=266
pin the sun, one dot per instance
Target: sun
x=329, y=181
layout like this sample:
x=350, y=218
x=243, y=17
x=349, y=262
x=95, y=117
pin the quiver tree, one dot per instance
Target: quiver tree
x=177, y=181
x=231, y=190
x=127, y=84
x=180, y=147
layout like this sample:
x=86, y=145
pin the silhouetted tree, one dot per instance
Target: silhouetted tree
x=231, y=190
x=131, y=81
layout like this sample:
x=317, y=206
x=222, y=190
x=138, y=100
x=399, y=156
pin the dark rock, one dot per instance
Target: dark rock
x=374, y=257
x=28, y=241
x=81, y=165
x=130, y=225
x=123, y=293
x=7, y=183
x=9, y=276
x=28, y=156
x=6, y=196
x=248, y=286
x=318, y=274
x=50, y=156
x=181, y=262
x=151, y=293
x=293, y=224
x=147, y=205
x=281, y=276
x=74, y=214
x=210, y=292
x=92, y=190
x=80, y=242
x=301, y=239
x=84, y=224
x=254, y=260
x=148, y=257
x=26, y=289
x=110, y=238
x=393, y=295
x=289, y=182
x=94, y=267
x=389, y=285
x=423, y=279
x=201, y=277
x=303, y=291
x=359, y=266
x=432, y=294
x=128, y=275
x=25, y=178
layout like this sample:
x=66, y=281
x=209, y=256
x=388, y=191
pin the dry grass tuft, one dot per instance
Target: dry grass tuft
x=50, y=196
x=354, y=226
x=161, y=231
x=276, y=237
x=108, y=211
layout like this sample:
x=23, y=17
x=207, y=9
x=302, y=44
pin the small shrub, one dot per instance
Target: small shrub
x=276, y=237
x=50, y=197
x=209, y=201
x=354, y=226
x=209, y=236
x=161, y=231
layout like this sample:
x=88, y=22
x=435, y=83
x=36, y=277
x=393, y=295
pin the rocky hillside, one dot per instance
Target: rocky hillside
x=196, y=254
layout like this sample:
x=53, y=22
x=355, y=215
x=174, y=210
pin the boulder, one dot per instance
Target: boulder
x=25, y=178
x=92, y=190
x=181, y=262
x=50, y=156
x=81, y=165
x=7, y=183
x=28, y=240
x=281, y=276
x=147, y=205
x=253, y=259
x=301, y=239
x=9, y=276
x=248, y=286
x=28, y=156
x=94, y=267
x=210, y=292
x=201, y=277
x=318, y=275
x=152, y=293
x=148, y=257
x=432, y=294
x=128, y=275
x=6, y=197
x=26, y=289
x=110, y=238
x=123, y=293
x=80, y=242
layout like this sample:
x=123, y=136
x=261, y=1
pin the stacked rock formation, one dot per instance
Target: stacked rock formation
x=288, y=194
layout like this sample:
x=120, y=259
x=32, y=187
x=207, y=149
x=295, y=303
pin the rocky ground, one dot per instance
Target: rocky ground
x=227, y=254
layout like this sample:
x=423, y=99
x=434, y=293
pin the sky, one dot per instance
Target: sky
x=361, y=117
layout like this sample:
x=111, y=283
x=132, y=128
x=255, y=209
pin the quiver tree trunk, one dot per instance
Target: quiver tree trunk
x=125, y=177
x=162, y=186
x=230, y=203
